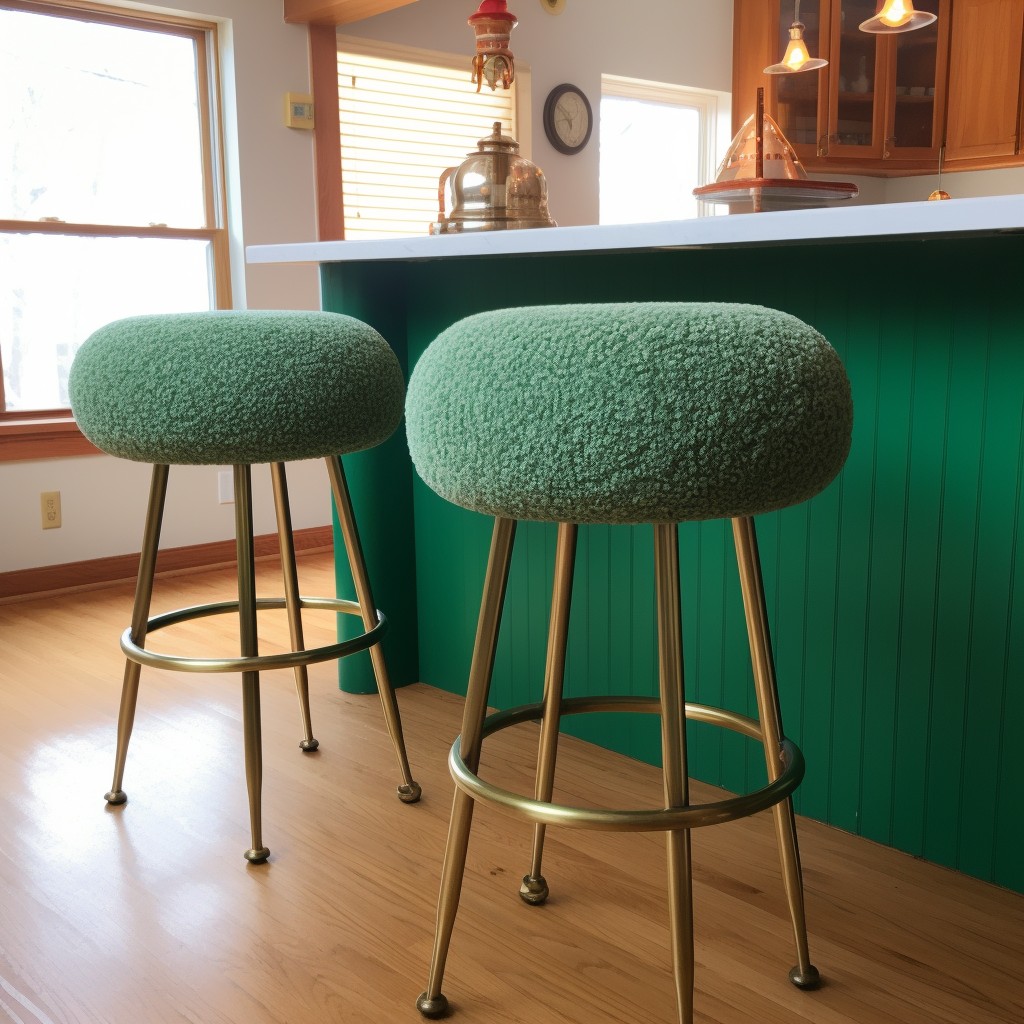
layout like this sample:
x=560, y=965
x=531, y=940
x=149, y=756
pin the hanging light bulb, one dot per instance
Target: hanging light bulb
x=897, y=16
x=940, y=192
x=796, y=57
x=494, y=62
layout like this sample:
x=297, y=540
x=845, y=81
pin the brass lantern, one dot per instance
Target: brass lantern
x=494, y=62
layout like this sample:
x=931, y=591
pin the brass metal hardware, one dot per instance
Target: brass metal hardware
x=250, y=662
x=784, y=761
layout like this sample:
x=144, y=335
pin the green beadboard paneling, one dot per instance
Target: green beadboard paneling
x=384, y=526
x=896, y=597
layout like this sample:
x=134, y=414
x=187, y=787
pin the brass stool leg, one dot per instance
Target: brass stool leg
x=534, y=889
x=673, y=745
x=140, y=623
x=409, y=790
x=251, y=727
x=292, y=599
x=804, y=974
x=432, y=1003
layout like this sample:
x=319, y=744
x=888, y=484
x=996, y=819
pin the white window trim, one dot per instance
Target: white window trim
x=39, y=434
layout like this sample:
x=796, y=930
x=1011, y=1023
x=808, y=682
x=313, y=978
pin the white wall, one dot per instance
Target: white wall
x=1005, y=181
x=684, y=42
x=959, y=184
x=271, y=199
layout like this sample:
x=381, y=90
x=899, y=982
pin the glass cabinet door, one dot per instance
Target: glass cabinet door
x=857, y=83
x=881, y=99
x=914, y=122
x=800, y=99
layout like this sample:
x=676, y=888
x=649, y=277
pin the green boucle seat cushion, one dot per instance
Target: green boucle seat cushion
x=629, y=412
x=236, y=387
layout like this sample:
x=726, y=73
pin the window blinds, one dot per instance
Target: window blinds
x=402, y=123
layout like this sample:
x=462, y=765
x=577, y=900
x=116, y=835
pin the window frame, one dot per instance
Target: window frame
x=53, y=433
x=713, y=110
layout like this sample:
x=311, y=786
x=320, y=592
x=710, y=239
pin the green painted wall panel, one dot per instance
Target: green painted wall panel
x=380, y=486
x=896, y=597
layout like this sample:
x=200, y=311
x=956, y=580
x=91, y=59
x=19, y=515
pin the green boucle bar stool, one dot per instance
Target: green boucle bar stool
x=238, y=389
x=627, y=413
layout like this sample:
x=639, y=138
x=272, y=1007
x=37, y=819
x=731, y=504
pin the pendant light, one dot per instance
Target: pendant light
x=494, y=62
x=940, y=192
x=796, y=57
x=897, y=16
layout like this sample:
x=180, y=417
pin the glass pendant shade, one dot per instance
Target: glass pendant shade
x=897, y=16
x=796, y=57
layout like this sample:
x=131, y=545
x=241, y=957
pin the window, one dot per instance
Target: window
x=112, y=200
x=658, y=143
x=406, y=115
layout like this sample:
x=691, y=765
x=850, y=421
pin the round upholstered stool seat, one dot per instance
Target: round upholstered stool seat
x=627, y=413
x=221, y=388
x=243, y=388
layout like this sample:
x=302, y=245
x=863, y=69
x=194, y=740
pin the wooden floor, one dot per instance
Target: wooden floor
x=147, y=913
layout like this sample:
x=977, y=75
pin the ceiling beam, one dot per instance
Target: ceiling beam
x=336, y=12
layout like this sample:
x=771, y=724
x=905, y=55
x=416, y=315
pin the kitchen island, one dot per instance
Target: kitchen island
x=896, y=596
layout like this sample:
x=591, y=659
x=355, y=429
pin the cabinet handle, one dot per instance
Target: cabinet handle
x=891, y=141
x=823, y=145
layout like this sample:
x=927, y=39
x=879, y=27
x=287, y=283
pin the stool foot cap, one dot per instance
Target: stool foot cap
x=308, y=746
x=809, y=980
x=409, y=792
x=534, y=890
x=257, y=856
x=432, y=1007
x=116, y=797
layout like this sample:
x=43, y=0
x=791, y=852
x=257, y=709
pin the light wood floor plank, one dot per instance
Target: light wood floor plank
x=148, y=913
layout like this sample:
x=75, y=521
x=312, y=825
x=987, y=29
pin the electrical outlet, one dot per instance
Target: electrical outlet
x=49, y=510
x=225, y=487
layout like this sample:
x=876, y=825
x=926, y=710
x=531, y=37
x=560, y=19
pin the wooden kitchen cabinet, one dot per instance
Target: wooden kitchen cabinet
x=336, y=12
x=886, y=92
x=887, y=104
x=985, y=81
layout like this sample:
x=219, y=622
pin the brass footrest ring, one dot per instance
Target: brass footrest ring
x=661, y=820
x=255, y=663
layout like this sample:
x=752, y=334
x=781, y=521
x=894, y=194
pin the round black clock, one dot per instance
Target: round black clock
x=568, y=119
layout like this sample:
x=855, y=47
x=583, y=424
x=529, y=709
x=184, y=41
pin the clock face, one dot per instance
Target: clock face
x=567, y=119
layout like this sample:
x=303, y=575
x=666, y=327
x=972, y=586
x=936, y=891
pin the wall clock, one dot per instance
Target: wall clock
x=568, y=119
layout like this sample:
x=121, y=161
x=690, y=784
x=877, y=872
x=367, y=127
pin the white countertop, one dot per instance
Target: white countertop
x=990, y=215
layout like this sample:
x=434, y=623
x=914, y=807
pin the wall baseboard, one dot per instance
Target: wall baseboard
x=97, y=572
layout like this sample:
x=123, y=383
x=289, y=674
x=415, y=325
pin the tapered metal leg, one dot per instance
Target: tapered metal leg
x=804, y=974
x=409, y=790
x=140, y=621
x=673, y=746
x=290, y=573
x=432, y=1003
x=534, y=888
x=249, y=647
